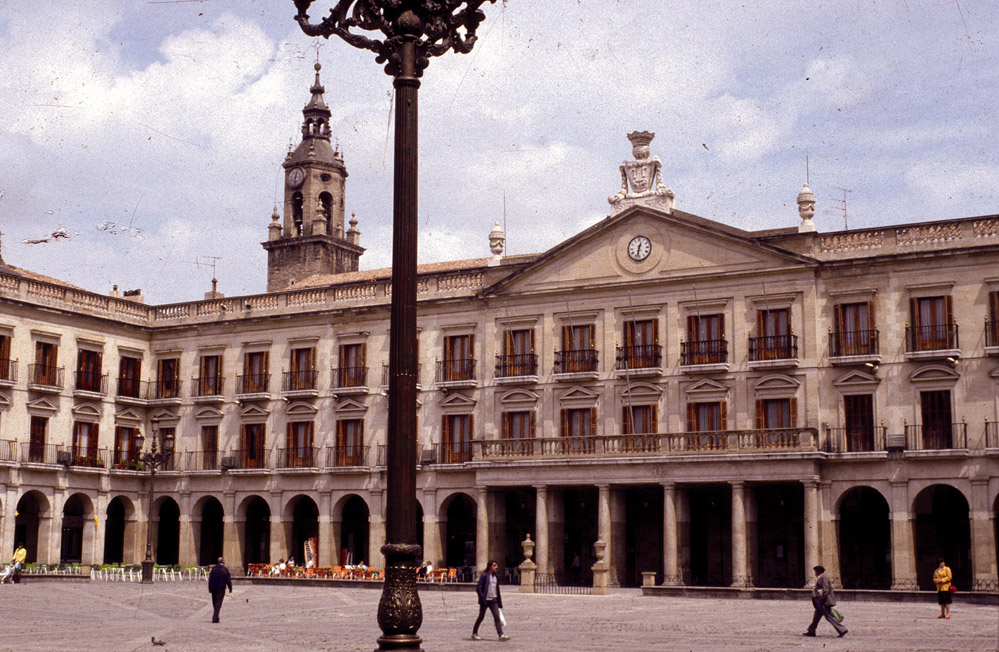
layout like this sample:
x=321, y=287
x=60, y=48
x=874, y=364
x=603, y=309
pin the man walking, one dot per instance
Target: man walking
x=488, y=592
x=218, y=580
x=823, y=599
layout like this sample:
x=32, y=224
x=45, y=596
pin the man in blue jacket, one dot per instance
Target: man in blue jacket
x=218, y=580
x=489, y=598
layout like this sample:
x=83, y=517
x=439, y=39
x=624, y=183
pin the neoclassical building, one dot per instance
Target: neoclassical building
x=719, y=406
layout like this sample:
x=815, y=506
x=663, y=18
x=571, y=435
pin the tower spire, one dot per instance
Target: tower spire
x=317, y=114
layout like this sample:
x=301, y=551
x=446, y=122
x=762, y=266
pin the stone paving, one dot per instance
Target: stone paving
x=112, y=617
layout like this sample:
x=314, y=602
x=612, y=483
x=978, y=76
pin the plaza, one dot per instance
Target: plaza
x=110, y=617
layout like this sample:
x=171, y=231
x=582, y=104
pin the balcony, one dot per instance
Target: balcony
x=991, y=337
x=131, y=390
x=991, y=434
x=253, y=386
x=38, y=453
x=934, y=342
x=518, y=368
x=300, y=383
x=164, y=392
x=643, y=360
x=456, y=373
x=338, y=457
x=704, y=356
x=854, y=347
x=772, y=351
x=576, y=365
x=43, y=378
x=209, y=460
x=855, y=440
x=208, y=389
x=8, y=450
x=419, y=374
x=8, y=372
x=350, y=380
x=937, y=437
x=82, y=459
x=301, y=457
x=90, y=384
x=652, y=444
x=457, y=452
x=246, y=459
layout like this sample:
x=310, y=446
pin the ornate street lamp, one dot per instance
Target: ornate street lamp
x=152, y=460
x=414, y=31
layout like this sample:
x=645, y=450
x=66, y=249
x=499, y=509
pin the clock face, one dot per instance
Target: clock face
x=639, y=247
x=296, y=177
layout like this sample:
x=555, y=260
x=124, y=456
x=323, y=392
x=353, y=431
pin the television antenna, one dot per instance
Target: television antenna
x=841, y=208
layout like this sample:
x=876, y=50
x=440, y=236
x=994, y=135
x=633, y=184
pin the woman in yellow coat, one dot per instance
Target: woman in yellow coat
x=942, y=578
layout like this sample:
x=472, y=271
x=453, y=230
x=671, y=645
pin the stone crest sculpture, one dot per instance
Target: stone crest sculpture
x=644, y=176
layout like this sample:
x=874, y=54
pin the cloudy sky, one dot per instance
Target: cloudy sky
x=152, y=132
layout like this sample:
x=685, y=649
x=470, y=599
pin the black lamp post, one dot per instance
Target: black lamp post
x=414, y=31
x=152, y=460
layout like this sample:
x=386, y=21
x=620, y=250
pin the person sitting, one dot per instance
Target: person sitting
x=421, y=572
x=291, y=562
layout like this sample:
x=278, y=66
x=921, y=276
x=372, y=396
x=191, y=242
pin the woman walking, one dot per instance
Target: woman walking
x=489, y=598
x=942, y=578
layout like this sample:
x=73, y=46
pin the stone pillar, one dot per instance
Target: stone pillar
x=604, y=523
x=811, y=529
x=541, y=529
x=481, y=528
x=50, y=530
x=740, y=559
x=671, y=568
x=376, y=530
x=190, y=533
x=279, y=538
x=527, y=567
x=93, y=532
x=325, y=552
x=829, y=533
x=903, y=558
x=7, y=519
x=233, y=533
x=983, y=545
x=432, y=548
x=617, y=559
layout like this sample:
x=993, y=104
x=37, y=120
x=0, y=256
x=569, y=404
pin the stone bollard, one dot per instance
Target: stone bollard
x=601, y=569
x=648, y=578
x=527, y=567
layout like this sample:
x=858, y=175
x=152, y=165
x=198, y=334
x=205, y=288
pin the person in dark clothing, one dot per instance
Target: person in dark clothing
x=489, y=598
x=823, y=599
x=218, y=580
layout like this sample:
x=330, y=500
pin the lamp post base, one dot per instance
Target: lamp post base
x=147, y=571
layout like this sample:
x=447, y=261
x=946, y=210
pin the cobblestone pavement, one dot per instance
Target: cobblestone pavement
x=42, y=616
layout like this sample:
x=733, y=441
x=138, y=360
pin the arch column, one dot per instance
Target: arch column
x=431, y=529
x=326, y=550
x=541, y=529
x=983, y=544
x=187, y=547
x=671, y=566
x=7, y=520
x=50, y=530
x=740, y=557
x=604, y=520
x=100, y=527
x=233, y=533
x=811, y=526
x=903, y=556
x=278, y=538
x=481, y=527
x=829, y=537
x=376, y=530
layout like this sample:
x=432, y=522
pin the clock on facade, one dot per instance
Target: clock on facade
x=295, y=177
x=639, y=248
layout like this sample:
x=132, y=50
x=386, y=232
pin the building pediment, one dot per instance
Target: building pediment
x=458, y=400
x=254, y=412
x=302, y=409
x=643, y=391
x=42, y=405
x=677, y=245
x=86, y=412
x=776, y=386
x=208, y=413
x=856, y=380
x=128, y=416
x=168, y=418
x=352, y=406
x=706, y=388
x=4, y=401
x=934, y=373
x=519, y=397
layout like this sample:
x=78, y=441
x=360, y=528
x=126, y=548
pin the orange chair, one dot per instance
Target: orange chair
x=337, y=573
x=452, y=575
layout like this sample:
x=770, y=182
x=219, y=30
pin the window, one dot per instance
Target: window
x=641, y=345
x=707, y=416
x=252, y=446
x=88, y=371
x=85, y=443
x=937, y=420
x=299, y=448
x=518, y=357
x=209, y=447
x=255, y=372
x=128, y=376
x=519, y=425
x=349, y=442
x=855, y=333
x=459, y=363
x=167, y=378
x=991, y=322
x=45, y=371
x=639, y=419
x=6, y=371
x=353, y=365
x=36, y=442
x=933, y=325
x=705, y=340
x=858, y=411
x=774, y=340
x=579, y=423
x=578, y=352
x=303, y=369
x=457, y=438
x=210, y=375
x=776, y=413
x=126, y=447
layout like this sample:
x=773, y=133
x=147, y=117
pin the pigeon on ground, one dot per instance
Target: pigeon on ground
x=157, y=641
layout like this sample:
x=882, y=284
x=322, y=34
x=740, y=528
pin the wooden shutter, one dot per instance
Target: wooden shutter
x=471, y=428
x=4, y=347
x=291, y=437
x=761, y=414
x=993, y=311
x=445, y=429
x=761, y=323
x=838, y=320
x=794, y=411
x=565, y=423
x=872, y=323
x=532, y=340
x=533, y=423
x=92, y=442
x=653, y=418
x=629, y=333
x=655, y=332
x=626, y=421
x=76, y=438
x=593, y=419
x=507, y=342
x=691, y=417
x=566, y=338
x=723, y=419
x=593, y=335
x=914, y=311
x=949, y=308
x=507, y=432
x=691, y=328
x=265, y=365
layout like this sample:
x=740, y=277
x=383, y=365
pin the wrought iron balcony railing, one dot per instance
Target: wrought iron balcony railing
x=8, y=370
x=347, y=377
x=580, y=361
x=456, y=370
x=931, y=338
x=452, y=453
x=78, y=456
x=340, y=456
x=937, y=436
x=773, y=347
x=132, y=388
x=247, y=458
x=992, y=434
x=645, y=356
x=38, y=453
x=253, y=383
x=92, y=381
x=208, y=386
x=698, y=352
x=991, y=333
x=45, y=375
x=847, y=343
x=855, y=440
x=301, y=380
x=8, y=450
x=207, y=460
x=301, y=457
x=164, y=389
x=518, y=364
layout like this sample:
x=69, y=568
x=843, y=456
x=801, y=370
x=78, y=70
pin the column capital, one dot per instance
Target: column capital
x=668, y=486
x=737, y=483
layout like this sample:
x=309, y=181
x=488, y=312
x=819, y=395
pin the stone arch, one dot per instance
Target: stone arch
x=208, y=524
x=458, y=519
x=120, y=530
x=77, y=529
x=301, y=523
x=254, y=514
x=864, y=528
x=351, y=524
x=167, y=531
x=942, y=528
x=32, y=524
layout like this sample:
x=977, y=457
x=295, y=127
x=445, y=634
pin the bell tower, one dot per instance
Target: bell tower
x=312, y=238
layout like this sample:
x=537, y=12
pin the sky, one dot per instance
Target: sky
x=151, y=133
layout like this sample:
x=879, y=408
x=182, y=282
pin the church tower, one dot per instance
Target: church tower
x=312, y=239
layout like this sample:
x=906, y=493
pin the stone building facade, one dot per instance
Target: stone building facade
x=721, y=407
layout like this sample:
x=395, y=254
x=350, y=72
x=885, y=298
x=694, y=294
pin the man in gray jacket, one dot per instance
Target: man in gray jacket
x=823, y=599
